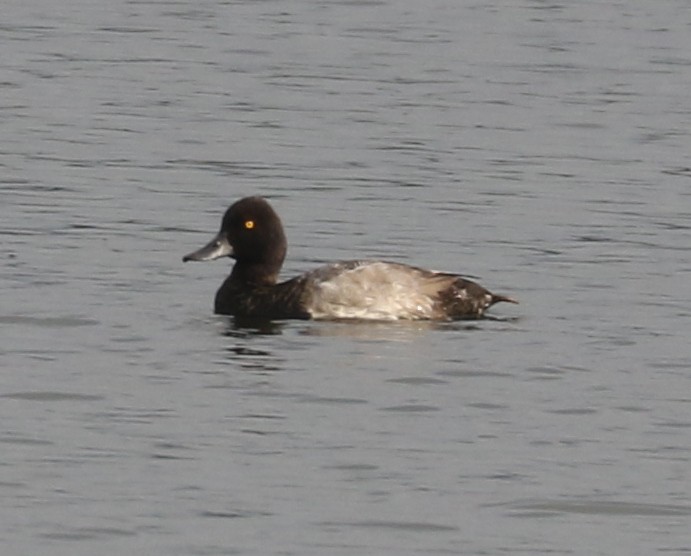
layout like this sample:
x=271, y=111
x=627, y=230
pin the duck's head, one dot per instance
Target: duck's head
x=251, y=233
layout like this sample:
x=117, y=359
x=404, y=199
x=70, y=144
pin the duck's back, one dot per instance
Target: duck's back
x=390, y=291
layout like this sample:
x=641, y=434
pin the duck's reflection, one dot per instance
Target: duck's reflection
x=243, y=327
x=252, y=347
x=245, y=347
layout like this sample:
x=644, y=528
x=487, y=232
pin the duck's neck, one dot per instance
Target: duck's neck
x=254, y=274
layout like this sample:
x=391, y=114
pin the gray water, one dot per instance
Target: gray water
x=539, y=146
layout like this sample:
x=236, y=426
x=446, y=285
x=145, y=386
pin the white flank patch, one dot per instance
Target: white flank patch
x=371, y=290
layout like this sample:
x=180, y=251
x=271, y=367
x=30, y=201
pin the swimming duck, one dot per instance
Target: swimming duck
x=252, y=233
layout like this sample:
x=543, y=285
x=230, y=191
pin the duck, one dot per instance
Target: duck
x=252, y=234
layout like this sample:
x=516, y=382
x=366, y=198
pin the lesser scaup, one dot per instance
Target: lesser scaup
x=252, y=234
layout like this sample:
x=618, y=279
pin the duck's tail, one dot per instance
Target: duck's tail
x=496, y=298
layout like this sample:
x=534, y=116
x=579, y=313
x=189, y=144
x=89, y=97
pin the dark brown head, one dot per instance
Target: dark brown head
x=251, y=233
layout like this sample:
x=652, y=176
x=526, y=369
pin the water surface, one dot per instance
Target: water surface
x=541, y=147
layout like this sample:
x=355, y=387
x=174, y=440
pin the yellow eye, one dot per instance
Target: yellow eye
x=249, y=224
